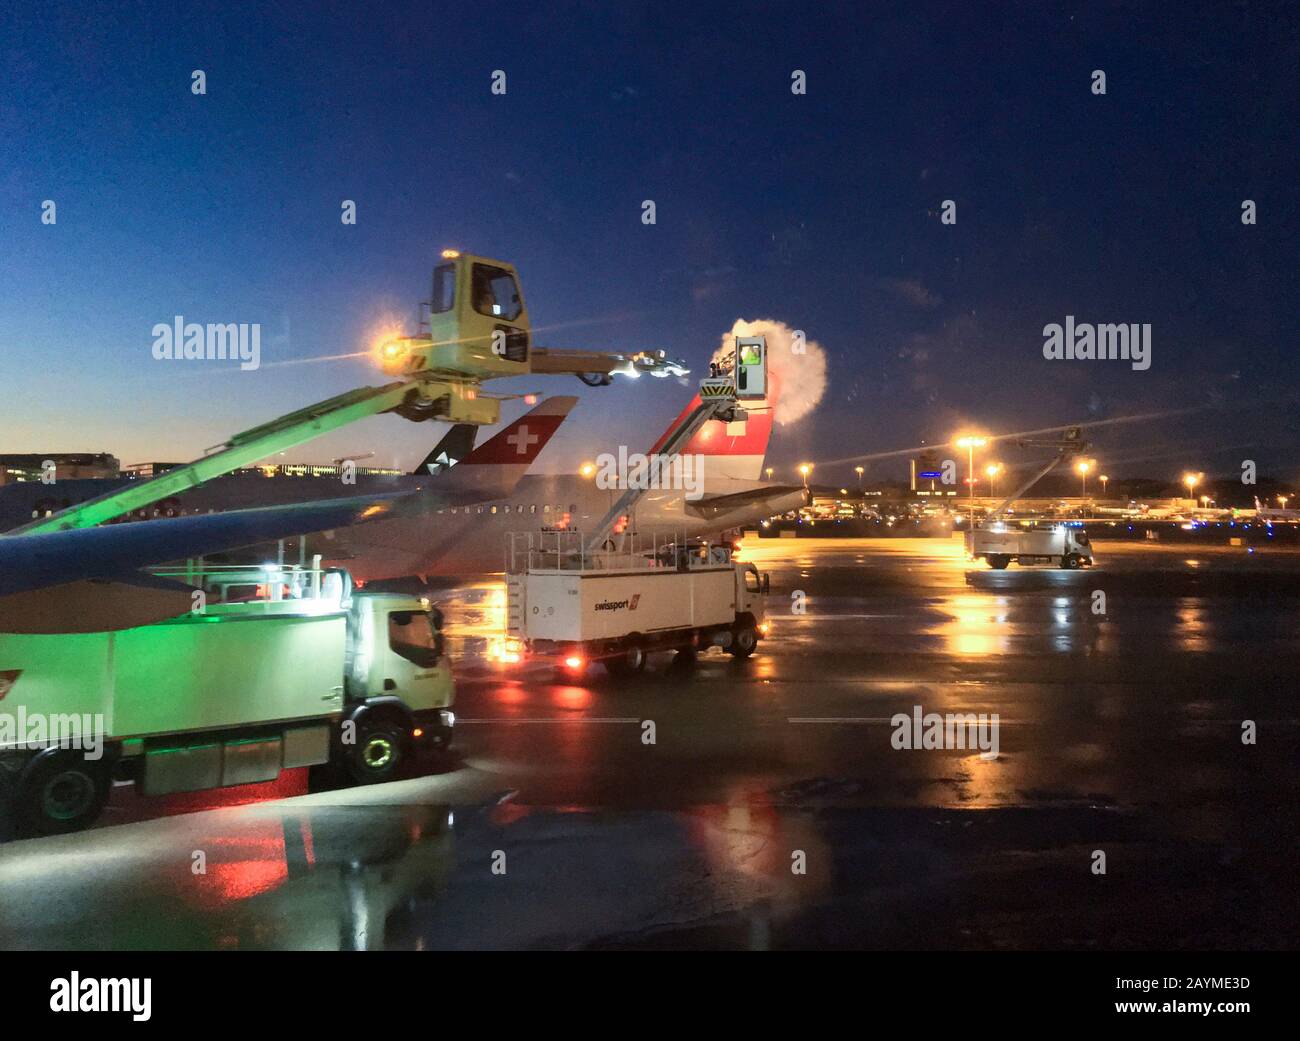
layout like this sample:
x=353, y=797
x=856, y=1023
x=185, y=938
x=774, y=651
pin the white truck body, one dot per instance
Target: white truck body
x=1000, y=543
x=183, y=674
x=582, y=607
x=252, y=683
x=560, y=599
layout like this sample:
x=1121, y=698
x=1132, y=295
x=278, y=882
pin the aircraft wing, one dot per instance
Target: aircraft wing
x=29, y=562
x=782, y=498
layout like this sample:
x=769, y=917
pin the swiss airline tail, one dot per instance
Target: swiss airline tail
x=731, y=451
x=495, y=467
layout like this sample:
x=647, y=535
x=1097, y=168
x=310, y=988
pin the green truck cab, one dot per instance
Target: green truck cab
x=275, y=667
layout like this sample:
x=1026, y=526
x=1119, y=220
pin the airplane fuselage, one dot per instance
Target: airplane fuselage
x=473, y=539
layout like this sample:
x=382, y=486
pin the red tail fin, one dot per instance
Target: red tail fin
x=732, y=451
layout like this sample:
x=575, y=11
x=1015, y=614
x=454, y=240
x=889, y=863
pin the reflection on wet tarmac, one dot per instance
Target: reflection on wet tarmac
x=771, y=809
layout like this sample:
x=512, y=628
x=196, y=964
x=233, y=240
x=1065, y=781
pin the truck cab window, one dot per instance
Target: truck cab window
x=495, y=293
x=444, y=289
x=412, y=635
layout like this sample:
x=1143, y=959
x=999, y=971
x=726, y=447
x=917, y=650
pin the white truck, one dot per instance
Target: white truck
x=604, y=595
x=275, y=667
x=616, y=606
x=1000, y=543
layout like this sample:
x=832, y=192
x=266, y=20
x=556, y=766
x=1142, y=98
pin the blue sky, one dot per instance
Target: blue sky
x=816, y=210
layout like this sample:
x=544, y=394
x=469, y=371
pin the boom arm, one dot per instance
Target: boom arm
x=709, y=408
x=1072, y=444
x=239, y=450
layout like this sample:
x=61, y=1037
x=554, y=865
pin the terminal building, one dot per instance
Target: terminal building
x=332, y=470
x=32, y=466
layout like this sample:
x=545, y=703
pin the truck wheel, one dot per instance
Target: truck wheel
x=999, y=562
x=629, y=663
x=378, y=754
x=8, y=805
x=683, y=662
x=1071, y=561
x=61, y=791
x=744, y=641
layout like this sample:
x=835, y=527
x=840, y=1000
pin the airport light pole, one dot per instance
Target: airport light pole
x=804, y=470
x=1083, y=466
x=859, y=471
x=1103, y=479
x=1191, y=480
x=993, y=470
x=970, y=444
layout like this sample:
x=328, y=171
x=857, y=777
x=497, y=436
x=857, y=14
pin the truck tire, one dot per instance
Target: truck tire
x=378, y=753
x=629, y=663
x=999, y=562
x=683, y=662
x=1070, y=561
x=744, y=641
x=8, y=789
x=61, y=791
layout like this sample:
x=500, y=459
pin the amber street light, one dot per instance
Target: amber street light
x=1083, y=466
x=993, y=469
x=970, y=443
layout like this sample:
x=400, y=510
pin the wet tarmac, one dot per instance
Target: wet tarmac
x=771, y=809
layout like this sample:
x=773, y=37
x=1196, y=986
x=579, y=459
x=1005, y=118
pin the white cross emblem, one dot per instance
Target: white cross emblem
x=522, y=440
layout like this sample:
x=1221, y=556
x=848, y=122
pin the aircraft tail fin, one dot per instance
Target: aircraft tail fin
x=730, y=451
x=495, y=467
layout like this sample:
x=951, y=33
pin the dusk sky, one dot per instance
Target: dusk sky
x=821, y=211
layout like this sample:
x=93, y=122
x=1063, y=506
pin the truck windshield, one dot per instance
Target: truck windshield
x=411, y=634
x=495, y=293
